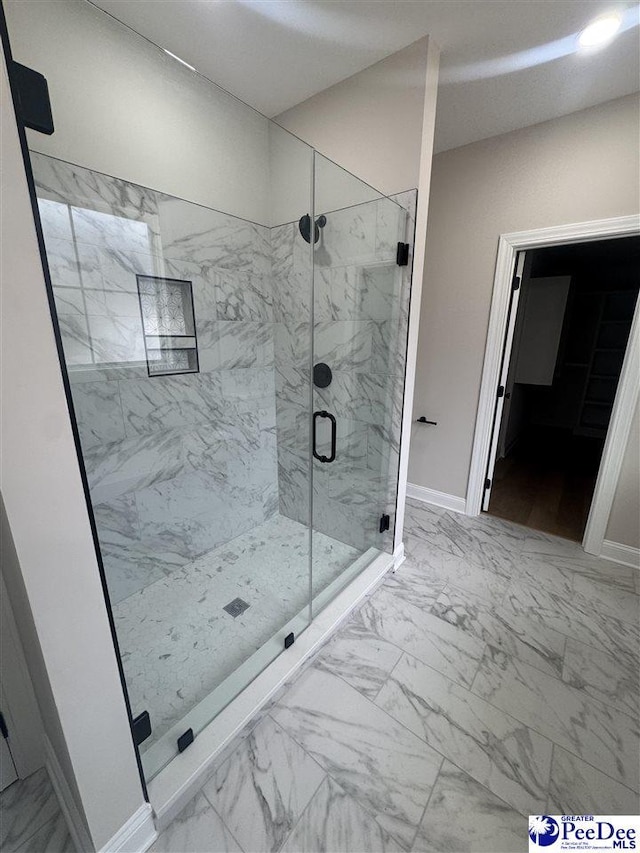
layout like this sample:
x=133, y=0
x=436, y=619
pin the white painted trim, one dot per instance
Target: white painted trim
x=75, y=822
x=619, y=553
x=508, y=246
x=177, y=783
x=431, y=496
x=398, y=557
x=137, y=834
x=417, y=276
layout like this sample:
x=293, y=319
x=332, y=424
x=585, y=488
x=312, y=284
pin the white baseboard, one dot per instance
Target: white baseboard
x=619, y=553
x=137, y=834
x=431, y=496
x=398, y=557
x=79, y=833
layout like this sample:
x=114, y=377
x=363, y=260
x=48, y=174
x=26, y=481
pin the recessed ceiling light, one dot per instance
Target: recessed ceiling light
x=600, y=31
x=177, y=58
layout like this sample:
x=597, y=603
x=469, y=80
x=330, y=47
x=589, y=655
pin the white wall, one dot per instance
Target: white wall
x=371, y=123
x=77, y=679
x=123, y=107
x=581, y=167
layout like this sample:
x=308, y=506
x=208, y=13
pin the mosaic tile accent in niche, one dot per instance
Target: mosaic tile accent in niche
x=166, y=305
x=168, y=325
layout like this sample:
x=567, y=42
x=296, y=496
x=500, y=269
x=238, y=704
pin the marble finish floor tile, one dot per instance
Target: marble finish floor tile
x=411, y=583
x=602, y=736
x=565, y=554
x=334, y=822
x=52, y=837
x=360, y=657
x=576, y=617
x=441, y=565
x=465, y=817
x=495, y=749
x=430, y=639
x=607, y=679
x=523, y=638
x=25, y=807
x=392, y=733
x=381, y=764
x=538, y=572
x=618, y=601
x=197, y=829
x=261, y=790
x=578, y=788
x=483, y=543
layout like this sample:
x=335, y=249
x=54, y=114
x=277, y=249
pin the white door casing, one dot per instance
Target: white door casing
x=628, y=389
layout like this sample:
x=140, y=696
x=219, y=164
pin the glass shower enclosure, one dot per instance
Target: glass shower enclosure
x=235, y=349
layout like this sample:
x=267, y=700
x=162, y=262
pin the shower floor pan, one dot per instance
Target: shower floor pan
x=179, y=643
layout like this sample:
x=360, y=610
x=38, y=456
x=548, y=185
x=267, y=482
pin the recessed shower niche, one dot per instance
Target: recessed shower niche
x=192, y=310
x=168, y=325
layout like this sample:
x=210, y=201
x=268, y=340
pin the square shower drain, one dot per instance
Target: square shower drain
x=236, y=607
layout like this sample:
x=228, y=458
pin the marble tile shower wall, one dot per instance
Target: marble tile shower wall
x=361, y=310
x=176, y=464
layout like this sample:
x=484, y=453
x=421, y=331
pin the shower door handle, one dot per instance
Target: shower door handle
x=321, y=457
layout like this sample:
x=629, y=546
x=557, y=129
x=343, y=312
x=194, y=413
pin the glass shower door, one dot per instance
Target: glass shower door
x=361, y=308
x=182, y=290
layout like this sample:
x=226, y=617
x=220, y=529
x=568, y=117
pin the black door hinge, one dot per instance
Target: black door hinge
x=3, y=727
x=141, y=727
x=32, y=94
x=185, y=740
x=500, y=390
x=487, y=484
x=515, y=284
x=289, y=640
x=384, y=523
x=402, y=255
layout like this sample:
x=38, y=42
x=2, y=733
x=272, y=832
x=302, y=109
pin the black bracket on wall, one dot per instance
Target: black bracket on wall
x=185, y=740
x=141, y=726
x=33, y=98
x=402, y=255
x=289, y=640
x=384, y=523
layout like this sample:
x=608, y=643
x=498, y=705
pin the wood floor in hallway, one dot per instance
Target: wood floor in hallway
x=547, y=485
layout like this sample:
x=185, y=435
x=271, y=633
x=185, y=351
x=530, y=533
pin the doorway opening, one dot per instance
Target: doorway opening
x=565, y=335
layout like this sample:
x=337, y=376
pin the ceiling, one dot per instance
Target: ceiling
x=505, y=64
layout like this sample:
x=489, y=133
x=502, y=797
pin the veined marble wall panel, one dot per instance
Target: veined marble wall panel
x=176, y=464
x=361, y=312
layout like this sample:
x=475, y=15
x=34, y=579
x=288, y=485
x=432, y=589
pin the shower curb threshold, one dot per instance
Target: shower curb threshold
x=175, y=785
